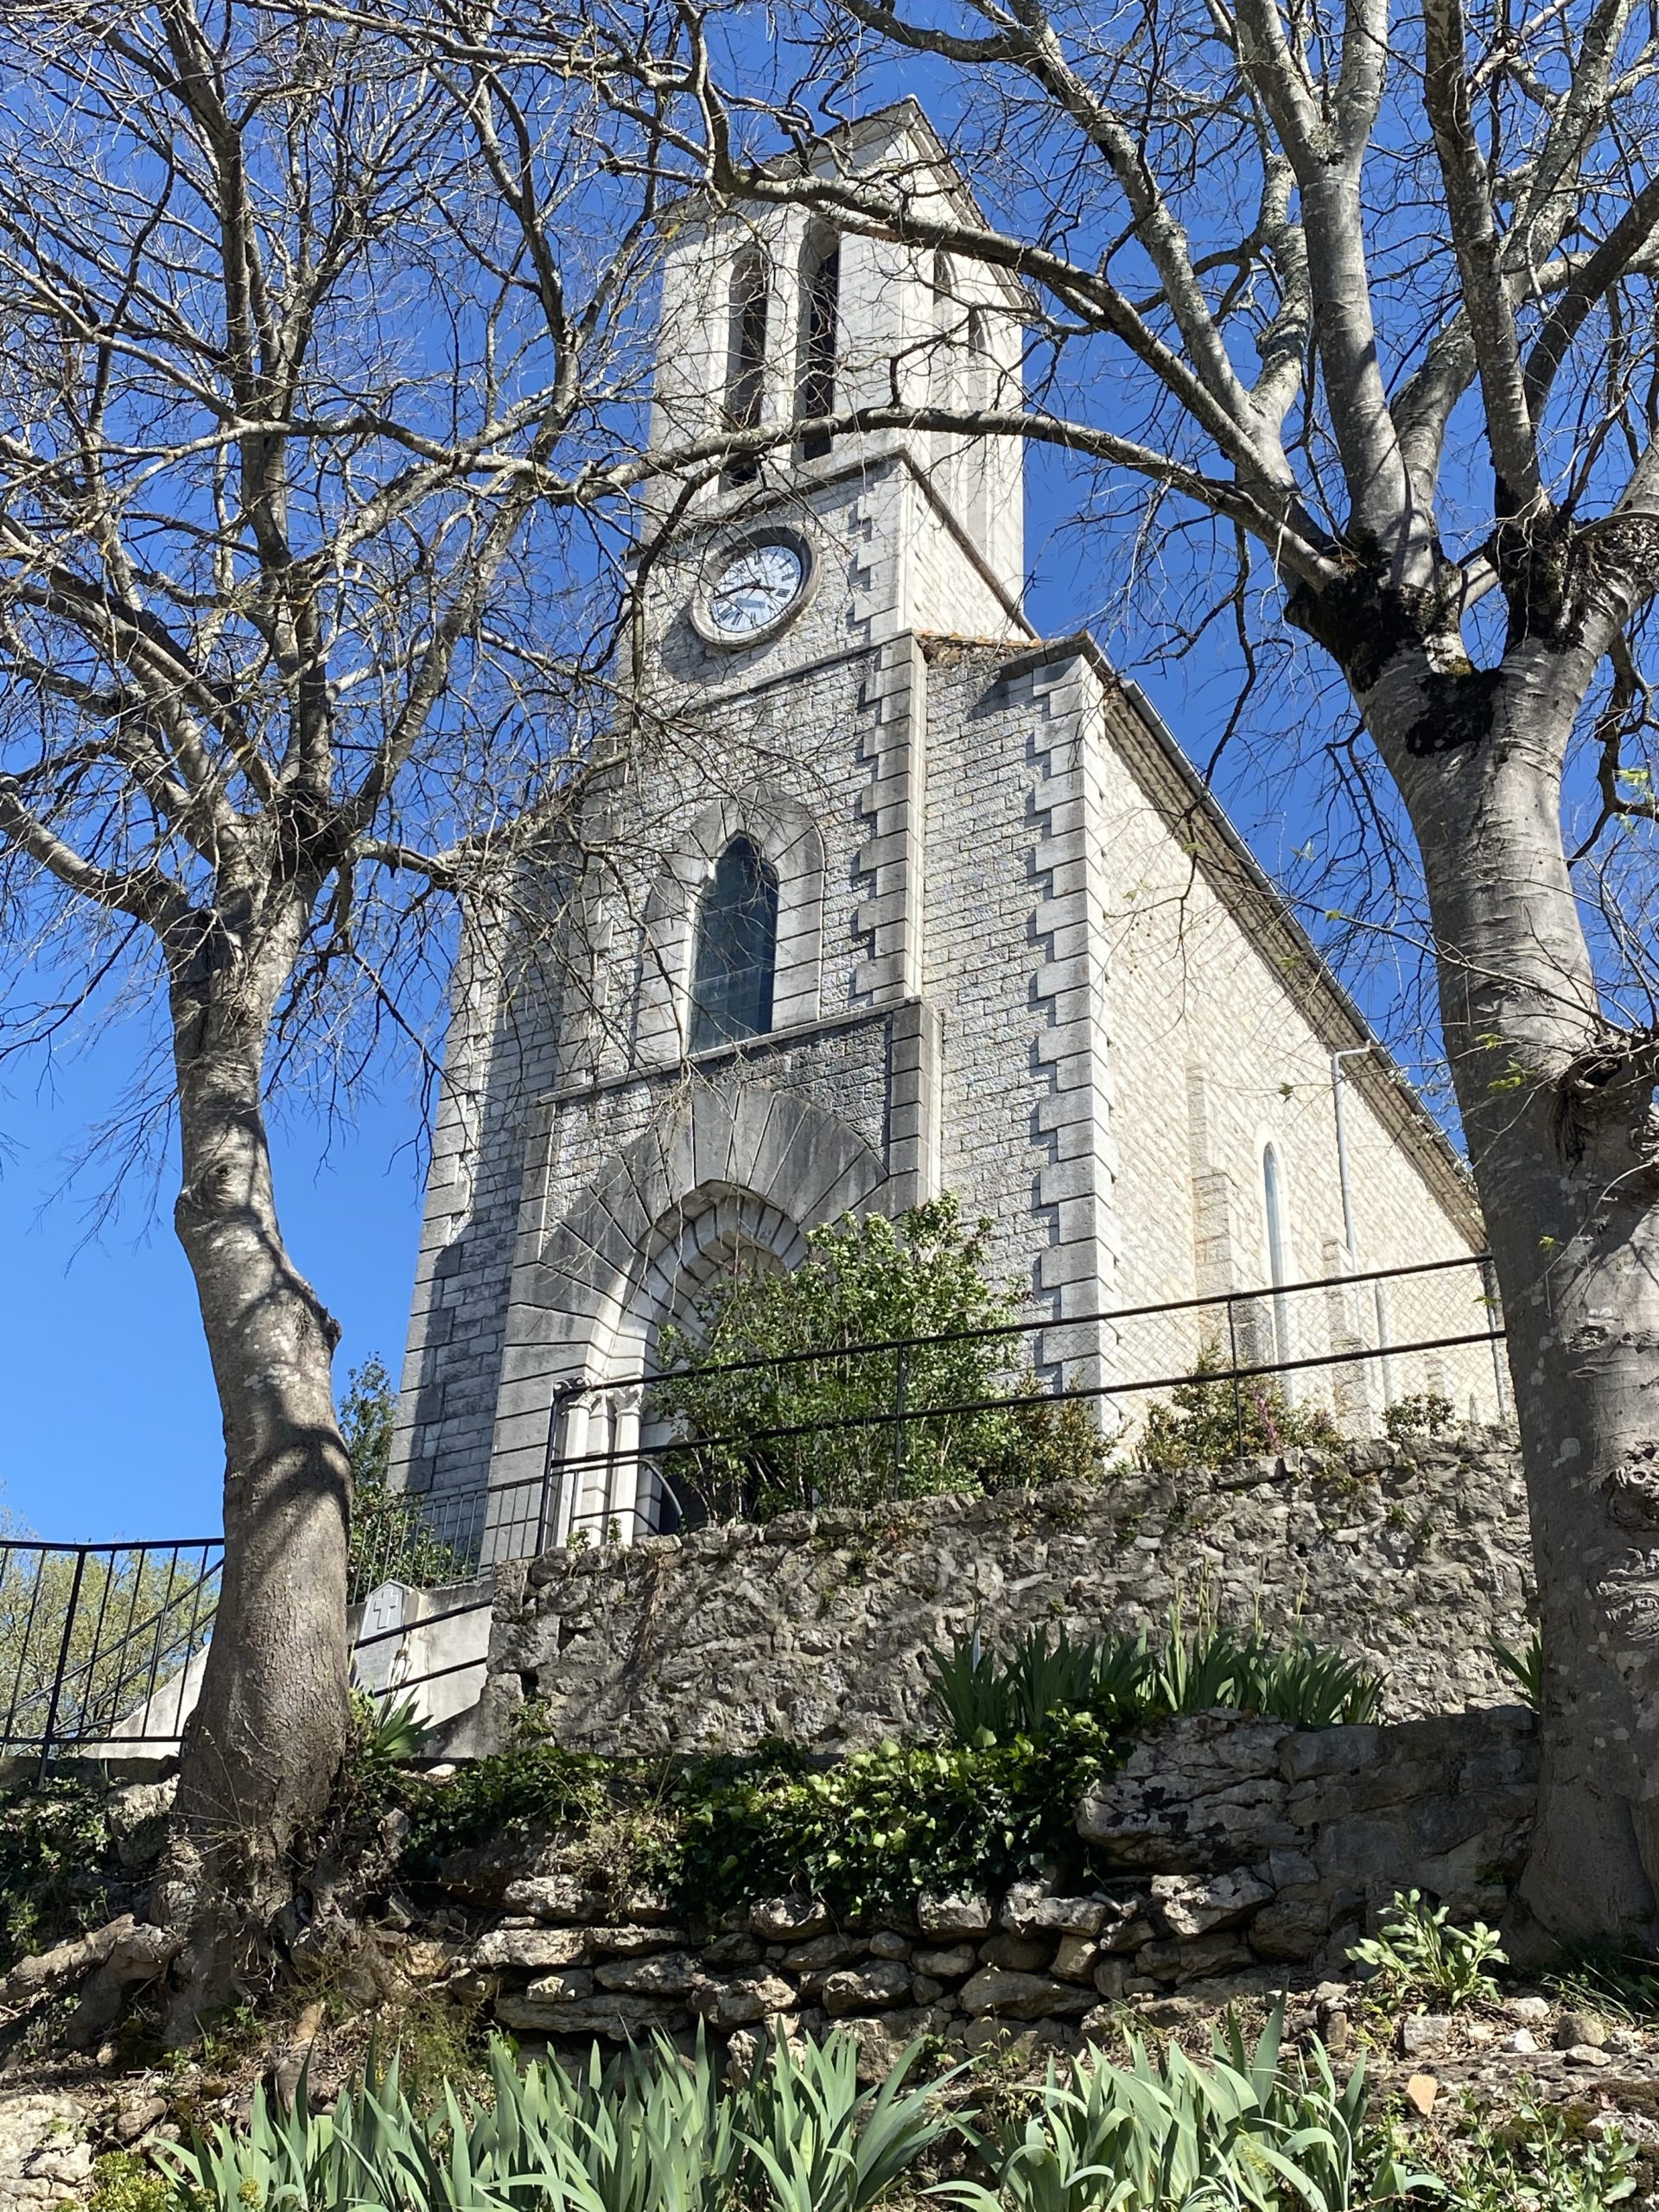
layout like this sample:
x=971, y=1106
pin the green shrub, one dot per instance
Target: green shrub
x=1211, y=1418
x=1418, y=1950
x=1426, y=1414
x=868, y=1833
x=863, y=1282
x=389, y=1540
x=865, y=1832
x=506, y=1796
x=983, y=1698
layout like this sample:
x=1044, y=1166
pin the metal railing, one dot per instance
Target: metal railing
x=1243, y=1365
x=101, y=1645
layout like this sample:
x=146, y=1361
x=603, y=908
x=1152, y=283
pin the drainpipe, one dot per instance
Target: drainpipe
x=1338, y=1083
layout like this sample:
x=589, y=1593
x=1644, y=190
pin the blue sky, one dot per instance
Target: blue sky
x=112, y=1427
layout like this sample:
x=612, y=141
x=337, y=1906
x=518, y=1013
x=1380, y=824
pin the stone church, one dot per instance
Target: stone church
x=895, y=897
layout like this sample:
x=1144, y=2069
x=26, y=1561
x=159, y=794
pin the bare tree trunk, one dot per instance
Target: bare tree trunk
x=1555, y=1105
x=263, y=1746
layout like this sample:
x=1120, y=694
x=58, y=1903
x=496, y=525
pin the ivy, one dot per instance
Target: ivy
x=869, y=1833
x=58, y=1865
x=507, y=1797
x=865, y=1833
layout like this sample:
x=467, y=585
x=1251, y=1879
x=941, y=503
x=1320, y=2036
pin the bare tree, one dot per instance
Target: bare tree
x=320, y=381
x=1374, y=290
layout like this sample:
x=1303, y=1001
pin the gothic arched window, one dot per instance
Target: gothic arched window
x=745, y=364
x=736, y=956
x=815, y=391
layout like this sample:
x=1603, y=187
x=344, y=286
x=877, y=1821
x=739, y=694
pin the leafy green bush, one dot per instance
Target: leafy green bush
x=865, y=1833
x=1418, y=1950
x=389, y=1540
x=1213, y=1419
x=864, y=1282
x=1426, y=1414
x=1169, y=2135
x=983, y=1698
x=868, y=1833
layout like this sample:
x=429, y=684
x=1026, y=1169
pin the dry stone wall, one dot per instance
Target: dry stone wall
x=1228, y=1856
x=814, y=1627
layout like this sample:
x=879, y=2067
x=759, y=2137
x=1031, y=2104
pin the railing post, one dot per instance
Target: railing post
x=1489, y=1299
x=902, y=1379
x=1232, y=1347
x=63, y=1656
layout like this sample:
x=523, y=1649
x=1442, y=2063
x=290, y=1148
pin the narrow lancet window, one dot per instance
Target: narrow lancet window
x=737, y=949
x=1273, y=1200
x=746, y=370
x=820, y=336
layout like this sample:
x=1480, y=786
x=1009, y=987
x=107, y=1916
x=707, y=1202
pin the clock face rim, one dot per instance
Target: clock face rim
x=719, y=563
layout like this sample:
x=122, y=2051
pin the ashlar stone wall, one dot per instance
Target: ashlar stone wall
x=815, y=1627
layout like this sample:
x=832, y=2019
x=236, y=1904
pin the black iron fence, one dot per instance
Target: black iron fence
x=1233, y=1372
x=101, y=1645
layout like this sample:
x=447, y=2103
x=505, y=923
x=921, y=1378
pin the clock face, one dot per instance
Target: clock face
x=756, y=587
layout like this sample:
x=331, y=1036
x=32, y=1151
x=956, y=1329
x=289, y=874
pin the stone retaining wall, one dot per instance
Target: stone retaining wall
x=1231, y=1855
x=813, y=1627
